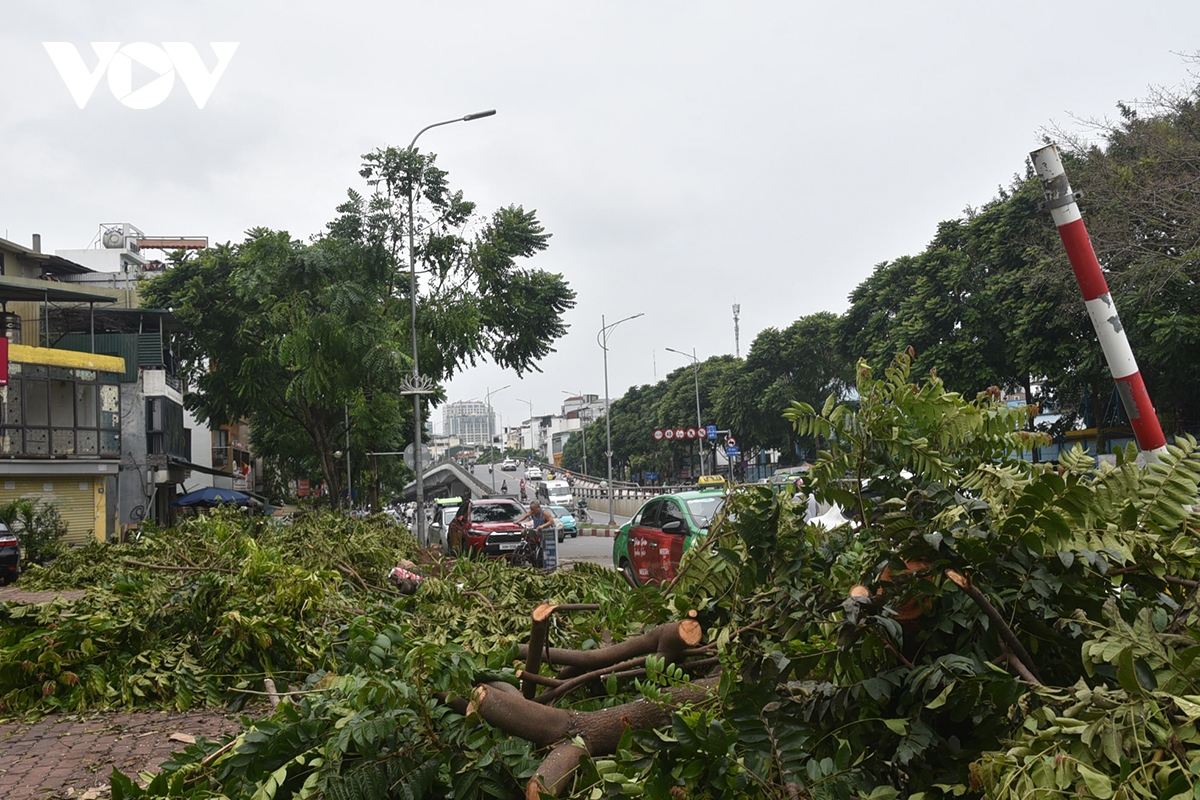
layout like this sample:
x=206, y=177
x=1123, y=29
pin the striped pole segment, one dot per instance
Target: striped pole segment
x=1060, y=200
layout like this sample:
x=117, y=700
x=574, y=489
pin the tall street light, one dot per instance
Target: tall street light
x=532, y=438
x=582, y=429
x=417, y=386
x=696, y=372
x=602, y=340
x=492, y=453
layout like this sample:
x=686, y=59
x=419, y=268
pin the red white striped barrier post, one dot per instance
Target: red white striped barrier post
x=1060, y=200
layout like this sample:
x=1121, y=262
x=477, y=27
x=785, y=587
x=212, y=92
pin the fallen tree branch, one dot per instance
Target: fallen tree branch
x=669, y=641
x=172, y=568
x=555, y=772
x=540, y=680
x=600, y=731
x=1006, y=633
x=565, y=686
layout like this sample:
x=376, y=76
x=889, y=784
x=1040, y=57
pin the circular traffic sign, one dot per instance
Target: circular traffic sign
x=691, y=433
x=731, y=442
x=669, y=433
x=658, y=434
x=680, y=433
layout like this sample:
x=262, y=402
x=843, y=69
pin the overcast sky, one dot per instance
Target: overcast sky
x=684, y=155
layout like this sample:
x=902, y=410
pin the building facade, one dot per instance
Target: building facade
x=61, y=410
x=468, y=420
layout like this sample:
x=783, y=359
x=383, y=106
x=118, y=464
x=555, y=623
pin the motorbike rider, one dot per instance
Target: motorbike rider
x=504, y=487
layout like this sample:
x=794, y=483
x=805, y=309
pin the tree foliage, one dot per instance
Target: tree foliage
x=992, y=301
x=297, y=336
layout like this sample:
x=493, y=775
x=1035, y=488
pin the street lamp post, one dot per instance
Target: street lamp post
x=492, y=453
x=419, y=387
x=696, y=374
x=532, y=438
x=582, y=429
x=602, y=340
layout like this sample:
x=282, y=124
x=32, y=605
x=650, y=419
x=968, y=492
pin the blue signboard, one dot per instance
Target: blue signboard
x=732, y=452
x=712, y=431
x=651, y=476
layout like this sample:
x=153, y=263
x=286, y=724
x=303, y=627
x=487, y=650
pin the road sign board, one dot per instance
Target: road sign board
x=669, y=433
x=731, y=442
x=732, y=452
x=658, y=434
x=680, y=433
x=712, y=431
x=426, y=457
x=691, y=433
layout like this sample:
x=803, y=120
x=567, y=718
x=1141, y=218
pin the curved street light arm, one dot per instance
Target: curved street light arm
x=422, y=530
x=602, y=340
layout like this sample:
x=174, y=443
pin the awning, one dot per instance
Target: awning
x=14, y=289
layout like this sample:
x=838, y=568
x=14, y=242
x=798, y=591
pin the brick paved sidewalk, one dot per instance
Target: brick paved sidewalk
x=48, y=758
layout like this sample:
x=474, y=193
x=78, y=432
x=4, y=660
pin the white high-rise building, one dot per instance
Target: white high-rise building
x=468, y=420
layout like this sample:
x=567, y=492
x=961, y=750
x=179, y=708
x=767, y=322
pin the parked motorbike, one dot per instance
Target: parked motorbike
x=529, y=551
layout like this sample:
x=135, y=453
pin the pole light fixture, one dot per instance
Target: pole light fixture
x=418, y=385
x=602, y=340
x=532, y=438
x=491, y=444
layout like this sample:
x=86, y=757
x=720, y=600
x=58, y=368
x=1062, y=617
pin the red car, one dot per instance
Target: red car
x=486, y=527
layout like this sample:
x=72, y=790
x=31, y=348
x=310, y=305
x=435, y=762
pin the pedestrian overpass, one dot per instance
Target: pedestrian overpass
x=447, y=479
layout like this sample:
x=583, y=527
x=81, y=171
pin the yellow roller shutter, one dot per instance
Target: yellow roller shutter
x=75, y=496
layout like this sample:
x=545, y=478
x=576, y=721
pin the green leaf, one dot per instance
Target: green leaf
x=941, y=699
x=1097, y=783
x=897, y=726
x=1126, y=674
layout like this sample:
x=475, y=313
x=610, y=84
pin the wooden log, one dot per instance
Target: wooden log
x=538, y=631
x=555, y=772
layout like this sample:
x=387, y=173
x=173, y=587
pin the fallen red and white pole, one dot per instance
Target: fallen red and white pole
x=1060, y=200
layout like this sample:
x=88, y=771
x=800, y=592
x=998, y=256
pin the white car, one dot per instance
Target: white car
x=533, y=474
x=509, y=465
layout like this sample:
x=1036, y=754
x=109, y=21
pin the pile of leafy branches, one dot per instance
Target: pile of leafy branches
x=986, y=628
x=206, y=613
x=995, y=628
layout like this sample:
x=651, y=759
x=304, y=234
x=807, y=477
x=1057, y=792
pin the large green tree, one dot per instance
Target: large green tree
x=304, y=339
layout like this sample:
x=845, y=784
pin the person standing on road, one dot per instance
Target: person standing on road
x=540, y=518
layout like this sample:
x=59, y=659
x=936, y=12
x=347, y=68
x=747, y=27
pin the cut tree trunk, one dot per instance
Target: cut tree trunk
x=517, y=712
x=600, y=731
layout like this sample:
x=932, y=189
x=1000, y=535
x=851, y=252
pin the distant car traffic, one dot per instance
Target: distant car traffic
x=509, y=465
x=485, y=527
x=566, y=522
x=10, y=555
x=649, y=547
x=533, y=474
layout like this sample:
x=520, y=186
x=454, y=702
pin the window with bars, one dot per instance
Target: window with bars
x=60, y=411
